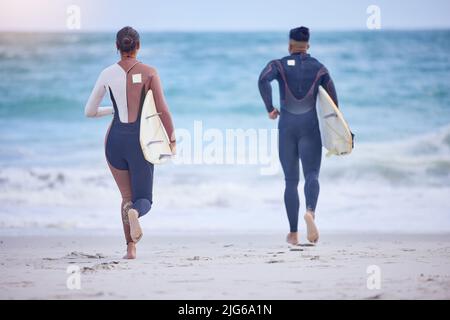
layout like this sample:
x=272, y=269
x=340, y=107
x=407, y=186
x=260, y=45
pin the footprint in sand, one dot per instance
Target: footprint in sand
x=198, y=258
x=275, y=261
x=78, y=255
x=306, y=245
x=101, y=266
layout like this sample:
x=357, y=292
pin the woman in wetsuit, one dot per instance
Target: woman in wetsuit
x=127, y=82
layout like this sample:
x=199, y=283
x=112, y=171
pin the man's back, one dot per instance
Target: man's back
x=299, y=76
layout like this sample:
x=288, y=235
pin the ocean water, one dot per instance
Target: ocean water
x=393, y=88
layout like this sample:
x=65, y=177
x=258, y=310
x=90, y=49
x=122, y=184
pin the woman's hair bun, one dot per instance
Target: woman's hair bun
x=127, y=39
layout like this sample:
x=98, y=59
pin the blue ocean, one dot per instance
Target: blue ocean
x=393, y=88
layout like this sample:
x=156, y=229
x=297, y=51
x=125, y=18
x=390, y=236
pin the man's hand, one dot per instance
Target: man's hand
x=173, y=143
x=274, y=114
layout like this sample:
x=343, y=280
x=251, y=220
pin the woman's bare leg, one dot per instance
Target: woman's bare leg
x=122, y=179
x=131, y=246
x=123, y=182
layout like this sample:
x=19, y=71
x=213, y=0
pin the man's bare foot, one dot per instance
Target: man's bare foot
x=135, y=227
x=292, y=238
x=312, y=232
x=131, y=251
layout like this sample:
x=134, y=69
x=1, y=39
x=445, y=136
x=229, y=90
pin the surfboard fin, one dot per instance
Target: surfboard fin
x=154, y=141
x=153, y=115
x=165, y=155
x=353, y=139
x=330, y=115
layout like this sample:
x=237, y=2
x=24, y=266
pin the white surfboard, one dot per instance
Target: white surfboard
x=153, y=137
x=334, y=130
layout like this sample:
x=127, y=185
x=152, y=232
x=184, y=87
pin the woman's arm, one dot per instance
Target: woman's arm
x=161, y=106
x=92, y=108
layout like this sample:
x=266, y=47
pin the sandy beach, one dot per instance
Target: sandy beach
x=215, y=216
x=252, y=266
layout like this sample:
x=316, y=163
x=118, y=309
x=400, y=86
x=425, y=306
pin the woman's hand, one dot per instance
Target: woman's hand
x=274, y=114
x=173, y=147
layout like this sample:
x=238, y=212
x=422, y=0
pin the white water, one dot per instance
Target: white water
x=391, y=186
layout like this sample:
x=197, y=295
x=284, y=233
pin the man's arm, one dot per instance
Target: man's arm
x=328, y=84
x=269, y=73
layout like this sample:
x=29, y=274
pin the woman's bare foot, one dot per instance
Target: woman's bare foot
x=135, y=227
x=312, y=232
x=292, y=238
x=131, y=251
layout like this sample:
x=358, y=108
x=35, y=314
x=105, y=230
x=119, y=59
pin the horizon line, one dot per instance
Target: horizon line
x=78, y=31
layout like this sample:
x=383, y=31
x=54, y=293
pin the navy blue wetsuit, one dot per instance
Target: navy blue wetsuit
x=299, y=76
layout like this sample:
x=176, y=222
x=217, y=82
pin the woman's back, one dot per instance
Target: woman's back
x=127, y=83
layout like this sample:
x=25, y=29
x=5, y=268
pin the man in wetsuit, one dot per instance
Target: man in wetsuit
x=299, y=75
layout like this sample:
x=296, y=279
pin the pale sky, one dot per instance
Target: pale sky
x=226, y=15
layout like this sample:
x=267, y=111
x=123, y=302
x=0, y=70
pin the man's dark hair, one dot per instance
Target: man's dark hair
x=299, y=34
x=127, y=39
